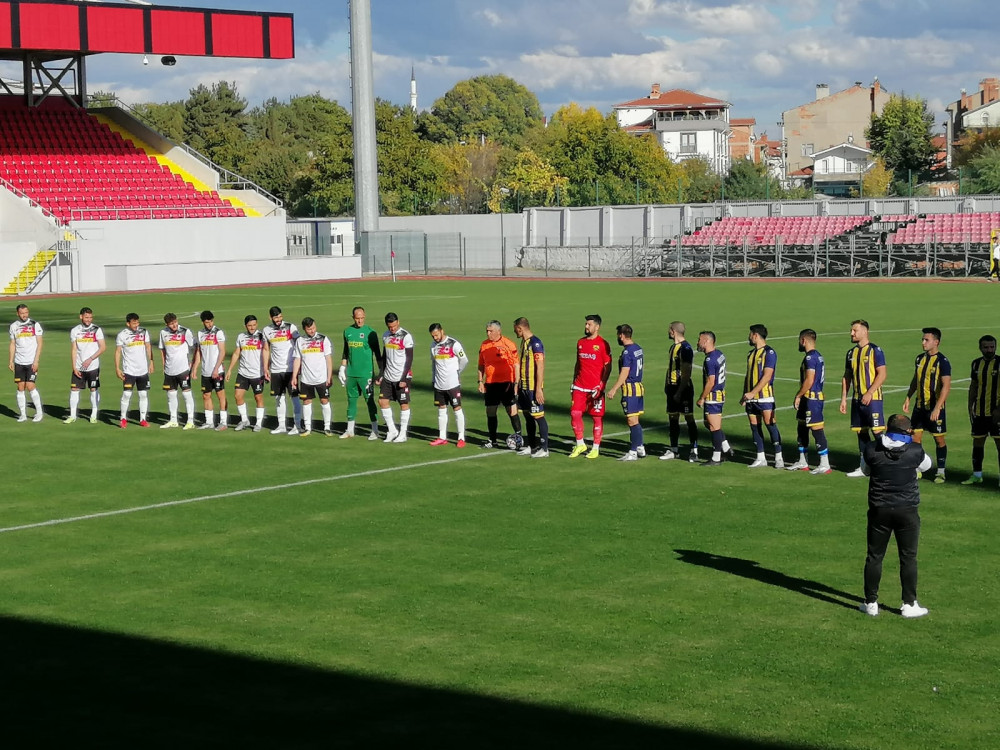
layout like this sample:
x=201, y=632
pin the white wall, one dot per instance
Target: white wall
x=628, y=117
x=24, y=230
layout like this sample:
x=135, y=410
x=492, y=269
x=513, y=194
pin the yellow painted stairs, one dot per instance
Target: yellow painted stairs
x=28, y=275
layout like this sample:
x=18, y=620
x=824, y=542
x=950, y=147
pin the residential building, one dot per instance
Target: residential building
x=743, y=139
x=972, y=113
x=837, y=171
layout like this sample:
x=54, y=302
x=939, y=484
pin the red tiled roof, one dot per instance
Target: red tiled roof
x=675, y=99
x=742, y=120
x=804, y=172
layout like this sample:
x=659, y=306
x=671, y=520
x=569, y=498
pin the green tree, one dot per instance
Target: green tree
x=986, y=170
x=902, y=135
x=877, y=180
x=528, y=181
x=495, y=108
x=166, y=118
x=469, y=171
x=215, y=123
x=700, y=182
x=749, y=181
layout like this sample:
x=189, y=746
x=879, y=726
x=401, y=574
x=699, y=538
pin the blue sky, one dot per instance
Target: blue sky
x=763, y=57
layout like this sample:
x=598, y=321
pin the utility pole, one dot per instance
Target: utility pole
x=363, y=119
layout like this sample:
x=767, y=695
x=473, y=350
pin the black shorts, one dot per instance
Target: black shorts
x=680, y=400
x=308, y=392
x=500, y=393
x=281, y=382
x=210, y=384
x=90, y=380
x=983, y=426
x=136, y=382
x=921, y=420
x=24, y=374
x=527, y=403
x=256, y=385
x=391, y=390
x=177, y=382
x=451, y=397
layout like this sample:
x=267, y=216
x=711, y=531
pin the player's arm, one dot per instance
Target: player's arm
x=265, y=359
x=516, y=361
x=72, y=357
x=196, y=359
x=329, y=369
x=39, y=341
x=807, y=384
x=880, y=375
x=942, y=397
x=463, y=360
x=101, y=348
x=220, y=359
x=973, y=390
x=296, y=365
x=149, y=356
x=606, y=370
x=233, y=362
x=539, y=360
x=163, y=354
x=709, y=386
x=342, y=375
x=12, y=347
x=118, y=362
x=407, y=364
x=622, y=377
x=759, y=385
x=909, y=393
x=845, y=385
x=375, y=344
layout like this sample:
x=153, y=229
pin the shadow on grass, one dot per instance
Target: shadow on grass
x=74, y=687
x=753, y=570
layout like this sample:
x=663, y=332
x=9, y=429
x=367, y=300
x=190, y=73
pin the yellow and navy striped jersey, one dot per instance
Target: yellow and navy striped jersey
x=862, y=364
x=715, y=364
x=813, y=361
x=632, y=358
x=928, y=371
x=531, y=352
x=680, y=354
x=984, y=386
x=757, y=361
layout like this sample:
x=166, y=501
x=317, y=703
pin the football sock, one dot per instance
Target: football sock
x=260, y=415
x=352, y=405
x=634, y=437
x=942, y=457
x=189, y=405
x=350, y=423
x=387, y=418
x=758, y=438
x=692, y=433
x=576, y=422
x=374, y=425
x=598, y=430
x=802, y=436
x=242, y=410
x=863, y=441
x=725, y=443
x=172, y=405
x=36, y=399
x=529, y=428
x=543, y=433
x=675, y=431
x=95, y=403
x=223, y=417
x=772, y=431
x=460, y=423
x=978, y=454
x=143, y=405
x=404, y=420
x=491, y=426
x=307, y=416
x=442, y=423
x=74, y=400
x=515, y=422
x=22, y=403
x=327, y=410
x=297, y=409
x=820, y=437
x=718, y=444
x=209, y=417
x=126, y=400
x=281, y=410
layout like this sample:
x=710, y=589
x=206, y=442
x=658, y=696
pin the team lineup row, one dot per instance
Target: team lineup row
x=378, y=370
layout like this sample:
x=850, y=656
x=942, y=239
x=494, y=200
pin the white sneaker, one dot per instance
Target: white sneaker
x=910, y=611
x=373, y=436
x=93, y=419
x=400, y=438
x=257, y=427
x=641, y=451
x=525, y=451
x=169, y=425
x=305, y=433
x=22, y=418
x=630, y=456
x=242, y=426
x=758, y=463
x=345, y=435
x=821, y=470
x=390, y=436
x=293, y=431
x=799, y=465
x=540, y=454
x=668, y=455
x=69, y=420
x=38, y=417
x=870, y=608
x=206, y=426
x=279, y=431
x=856, y=473
x=693, y=457
x=779, y=463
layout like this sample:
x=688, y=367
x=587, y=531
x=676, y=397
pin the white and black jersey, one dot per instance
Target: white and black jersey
x=448, y=359
x=135, y=360
x=25, y=334
x=251, y=349
x=87, y=340
x=281, y=340
x=397, y=355
x=209, y=342
x=313, y=352
x=176, y=347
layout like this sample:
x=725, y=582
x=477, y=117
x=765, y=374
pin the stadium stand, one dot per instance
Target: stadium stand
x=768, y=231
x=943, y=229
x=78, y=168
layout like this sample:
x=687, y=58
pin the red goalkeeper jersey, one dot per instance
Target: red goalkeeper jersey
x=593, y=364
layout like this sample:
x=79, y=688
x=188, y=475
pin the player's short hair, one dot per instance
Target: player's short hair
x=22, y=306
x=207, y=315
x=391, y=317
x=248, y=318
x=85, y=310
x=495, y=324
x=306, y=322
x=678, y=327
x=595, y=318
x=861, y=322
x=169, y=318
x=807, y=333
x=710, y=334
x=434, y=327
x=275, y=310
x=523, y=322
x=355, y=309
x=624, y=330
x=988, y=338
x=760, y=329
x=935, y=332
x=131, y=316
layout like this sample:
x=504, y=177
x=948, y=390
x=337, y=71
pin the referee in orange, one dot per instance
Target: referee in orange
x=498, y=375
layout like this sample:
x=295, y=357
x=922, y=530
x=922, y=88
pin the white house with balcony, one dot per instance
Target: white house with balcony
x=837, y=171
x=685, y=123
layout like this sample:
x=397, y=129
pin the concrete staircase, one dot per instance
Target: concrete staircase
x=31, y=274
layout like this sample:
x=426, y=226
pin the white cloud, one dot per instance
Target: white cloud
x=768, y=64
x=737, y=19
x=492, y=17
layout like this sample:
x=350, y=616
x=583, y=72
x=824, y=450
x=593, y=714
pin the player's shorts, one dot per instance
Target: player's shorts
x=281, y=382
x=212, y=385
x=177, y=382
x=391, y=390
x=360, y=387
x=452, y=397
x=867, y=417
x=526, y=402
x=632, y=406
x=256, y=385
x=308, y=392
x=90, y=380
x=810, y=411
x=585, y=403
x=921, y=420
x=759, y=408
x=24, y=374
x=713, y=407
x=985, y=426
x=680, y=400
x=136, y=382
x=500, y=393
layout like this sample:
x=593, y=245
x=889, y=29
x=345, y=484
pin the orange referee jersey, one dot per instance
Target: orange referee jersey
x=498, y=360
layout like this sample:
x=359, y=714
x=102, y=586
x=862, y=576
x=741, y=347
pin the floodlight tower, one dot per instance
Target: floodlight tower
x=363, y=119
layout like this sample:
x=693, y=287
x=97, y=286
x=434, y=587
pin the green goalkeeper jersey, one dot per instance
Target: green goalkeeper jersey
x=360, y=346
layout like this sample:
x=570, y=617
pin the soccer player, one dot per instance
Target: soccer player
x=590, y=378
x=176, y=345
x=25, y=351
x=758, y=396
x=680, y=392
x=211, y=354
x=713, y=396
x=281, y=338
x=498, y=376
x=134, y=365
x=630, y=382
x=251, y=354
x=531, y=390
x=86, y=347
x=931, y=383
x=864, y=374
x=448, y=359
x=357, y=371
x=984, y=405
x=395, y=376
x=312, y=375
x=808, y=403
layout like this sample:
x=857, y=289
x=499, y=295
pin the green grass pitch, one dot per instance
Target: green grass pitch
x=342, y=593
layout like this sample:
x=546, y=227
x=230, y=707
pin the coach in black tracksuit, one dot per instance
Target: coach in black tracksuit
x=892, y=463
